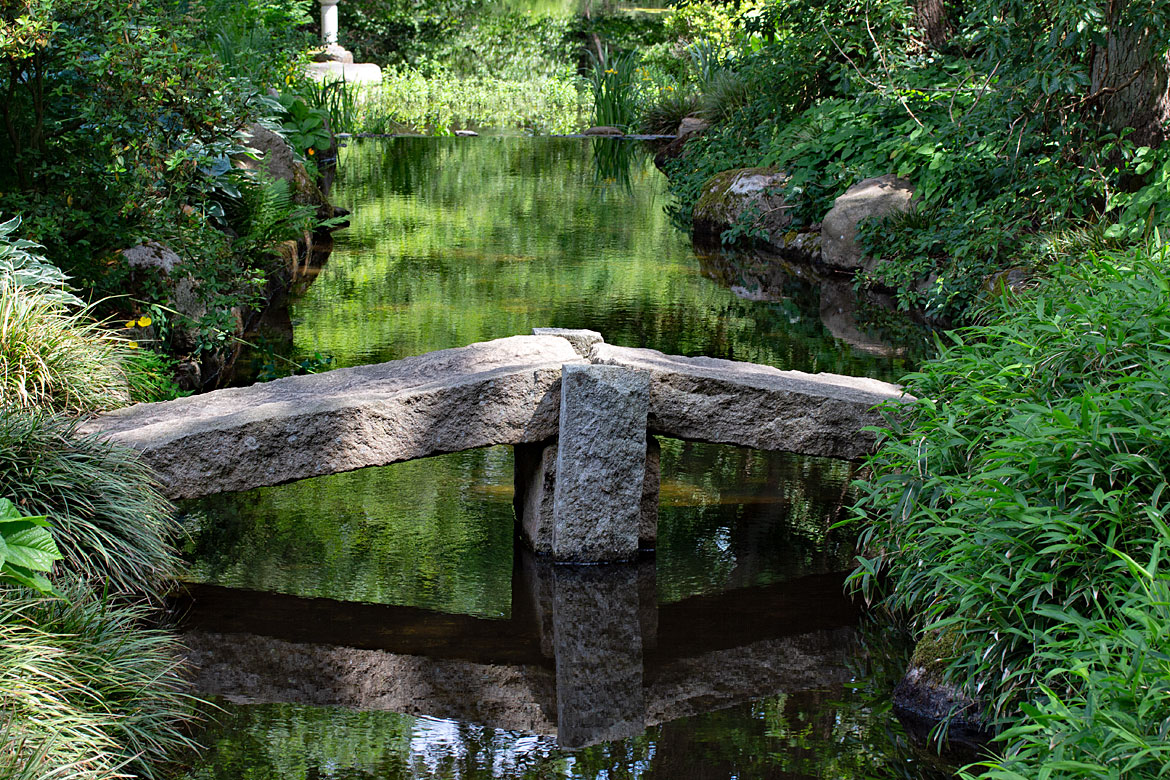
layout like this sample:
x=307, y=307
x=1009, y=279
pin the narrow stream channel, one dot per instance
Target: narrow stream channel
x=385, y=623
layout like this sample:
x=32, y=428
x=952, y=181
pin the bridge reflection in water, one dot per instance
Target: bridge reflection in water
x=588, y=655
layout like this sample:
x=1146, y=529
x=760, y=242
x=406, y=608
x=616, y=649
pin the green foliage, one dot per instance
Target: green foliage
x=21, y=268
x=663, y=115
x=615, y=97
x=262, y=41
x=338, y=100
x=54, y=358
x=994, y=130
x=411, y=101
x=150, y=376
x=1115, y=723
x=88, y=690
x=304, y=126
x=1009, y=503
x=110, y=522
x=27, y=550
x=1147, y=209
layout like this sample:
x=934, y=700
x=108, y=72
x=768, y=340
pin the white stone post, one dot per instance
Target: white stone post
x=329, y=21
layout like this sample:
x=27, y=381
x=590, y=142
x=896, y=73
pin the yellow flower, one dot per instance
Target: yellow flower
x=132, y=344
x=312, y=151
x=610, y=70
x=144, y=321
x=130, y=324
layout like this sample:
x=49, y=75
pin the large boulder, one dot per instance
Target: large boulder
x=868, y=199
x=156, y=265
x=744, y=193
x=274, y=155
x=691, y=127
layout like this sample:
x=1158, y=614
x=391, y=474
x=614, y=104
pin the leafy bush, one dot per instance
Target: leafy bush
x=21, y=268
x=27, y=550
x=88, y=691
x=110, y=523
x=1009, y=505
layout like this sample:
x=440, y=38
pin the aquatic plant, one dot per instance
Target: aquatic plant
x=615, y=94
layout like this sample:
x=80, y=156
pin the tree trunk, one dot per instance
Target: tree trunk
x=1130, y=76
x=930, y=16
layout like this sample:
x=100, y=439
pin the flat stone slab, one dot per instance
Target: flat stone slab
x=497, y=392
x=728, y=402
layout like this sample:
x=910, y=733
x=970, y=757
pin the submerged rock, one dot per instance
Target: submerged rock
x=868, y=199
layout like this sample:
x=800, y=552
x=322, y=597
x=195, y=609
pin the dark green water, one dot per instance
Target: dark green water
x=384, y=623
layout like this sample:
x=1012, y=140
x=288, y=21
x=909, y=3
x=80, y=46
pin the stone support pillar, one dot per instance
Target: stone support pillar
x=601, y=463
x=535, y=485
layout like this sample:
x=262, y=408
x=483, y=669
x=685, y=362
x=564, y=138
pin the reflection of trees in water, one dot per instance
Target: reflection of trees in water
x=462, y=240
x=426, y=533
x=613, y=160
x=733, y=517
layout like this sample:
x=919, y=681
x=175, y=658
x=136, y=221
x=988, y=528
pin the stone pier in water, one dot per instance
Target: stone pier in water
x=582, y=415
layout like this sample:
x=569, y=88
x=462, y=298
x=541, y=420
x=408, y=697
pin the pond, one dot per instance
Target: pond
x=386, y=623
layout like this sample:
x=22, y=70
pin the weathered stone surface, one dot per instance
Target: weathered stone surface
x=351, y=73
x=497, y=392
x=275, y=155
x=651, y=482
x=689, y=128
x=723, y=401
x=731, y=195
x=151, y=254
x=876, y=197
x=601, y=463
x=582, y=340
x=333, y=52
x=535, y=478
x=598, y=639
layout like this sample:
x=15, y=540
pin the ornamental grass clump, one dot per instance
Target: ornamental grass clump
x=110, y=523
x=1016, y=504
x=87, y=691
x=53, y=356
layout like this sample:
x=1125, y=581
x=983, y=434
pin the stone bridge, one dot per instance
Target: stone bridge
x=581, y=413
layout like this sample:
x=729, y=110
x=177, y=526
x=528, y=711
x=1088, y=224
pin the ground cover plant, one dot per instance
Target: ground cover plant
x=1019, y=508
x=1011, y=125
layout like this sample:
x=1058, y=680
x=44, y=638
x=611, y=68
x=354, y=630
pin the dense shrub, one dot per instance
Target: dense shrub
x=1007, y=129
x=111, y=524
x=1020, y=505
x=87, y=691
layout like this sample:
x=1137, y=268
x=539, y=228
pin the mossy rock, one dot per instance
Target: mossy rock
x=754, y=195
